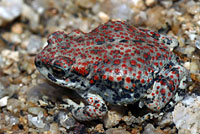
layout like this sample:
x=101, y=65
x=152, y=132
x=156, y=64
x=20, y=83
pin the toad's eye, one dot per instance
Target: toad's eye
x=58, y=72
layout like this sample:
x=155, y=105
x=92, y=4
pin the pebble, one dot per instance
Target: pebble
x=189, y=50
x=32, y=16
x=15, y=105
x=17, y=28
x=193, y=7
x=155, y=17
x=65, y=121
x=120, y=10
x=117, y=131
x=37, y=120
x=103, y=16
x=186, y=115
x=3, y=91
x=34, y=44
x=99, y=128
x=9, y=10
x=3, y=101
x=166, y=3
x=113, y=117
x=197, y=42
x=54, y=129
x=35, y=110
x=150, y=2
x=85, y=3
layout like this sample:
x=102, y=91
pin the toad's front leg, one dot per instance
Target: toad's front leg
x=95, y=109
x=169, y=88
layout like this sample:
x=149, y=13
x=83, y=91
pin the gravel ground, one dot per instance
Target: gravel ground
x=31, y=104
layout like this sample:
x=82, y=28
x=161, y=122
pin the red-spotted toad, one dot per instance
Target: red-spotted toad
x=116, y=63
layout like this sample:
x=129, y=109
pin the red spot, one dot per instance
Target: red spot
x=171, y=76
x=171, y=82
x=59, y=39
x=134, y=74
x=128, y=79
x=158, y=87
x=169, y=94
x=156, y=63
x=142, y=81
x=110, y=78
x=107, y=69
x=117, y=62
x=152, y=94
x=124, y=65
x=104, y=77
x=96, y=77
x=162, y=91
x=91, y=81
x=161, y=64
x=138, y=65
x=138, y=77
x=139, y=72
x=141, y=60
x=117, y=70
x=137, y=51
x=133, y=62
x=146, y=73
x=145, y=56
x=125, y=71
x=119, y=78
x=158, y=54
x=134, y=85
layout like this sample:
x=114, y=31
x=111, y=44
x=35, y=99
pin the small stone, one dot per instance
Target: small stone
x=35, y=110
x=3, y=90
x=189, y=50
x=113, y=117
x=3, y=101
x=155, y=16
x=166, y=3
x=99, y=128
x=193, y=7
x=130, y=119
x=54, y=129
x=186, y=115
x=117, y=131
x=139, y=19
x=36, y=121
x=65, y=120
x=103, y=16
x=32, y=16
x=150, y=2
x=194, y=67
x=86, y=3
x=17, y=28
x=9, y=10
x=149, y=129
x=14, y=105
x=166, y=120
x=34, y=44
x=197, y=42
x=119, y=9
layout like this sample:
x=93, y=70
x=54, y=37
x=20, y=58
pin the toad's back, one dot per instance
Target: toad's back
x=115, y=60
